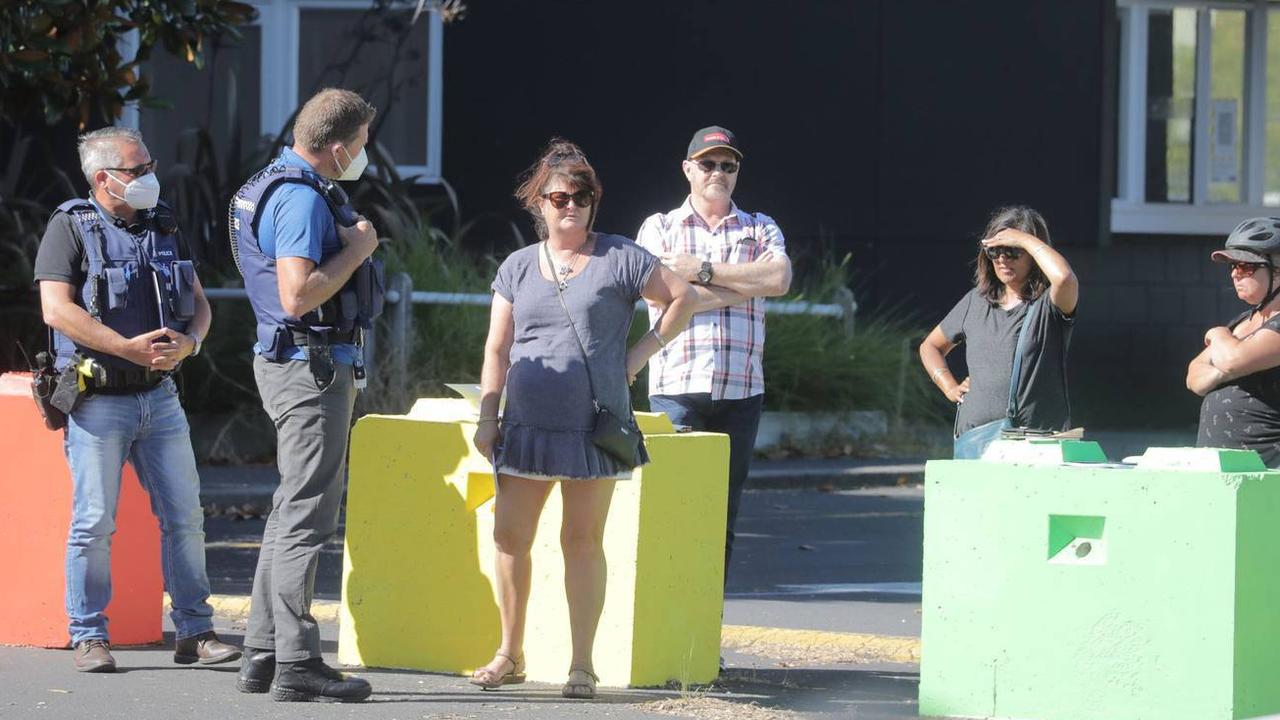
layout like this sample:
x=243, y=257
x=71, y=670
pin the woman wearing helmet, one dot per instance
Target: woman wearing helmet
x=1016, y=326
x=1238, y=372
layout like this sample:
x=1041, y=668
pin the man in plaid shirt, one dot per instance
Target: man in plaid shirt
x=710, y=377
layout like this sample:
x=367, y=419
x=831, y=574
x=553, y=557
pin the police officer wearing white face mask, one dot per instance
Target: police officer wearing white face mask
x=305, y=257
x=119, y=291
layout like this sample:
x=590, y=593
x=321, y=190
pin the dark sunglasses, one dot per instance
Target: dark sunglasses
x=559, y=200
x=139, y=171
x=996, y=251
x=728, y=167
x=1249, y=268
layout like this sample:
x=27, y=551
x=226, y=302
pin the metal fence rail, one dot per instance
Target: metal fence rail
x=398, y=320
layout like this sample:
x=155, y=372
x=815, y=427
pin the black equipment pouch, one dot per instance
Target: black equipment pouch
x=370, y=291
x=320, y=359
x=67, y=393
x=44, y=381
x=182, y=290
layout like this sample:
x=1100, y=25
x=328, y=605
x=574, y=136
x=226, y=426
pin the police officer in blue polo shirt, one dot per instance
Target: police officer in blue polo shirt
x=119, y=291
x=305, y=257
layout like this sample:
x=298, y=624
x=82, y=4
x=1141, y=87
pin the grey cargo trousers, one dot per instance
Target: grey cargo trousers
x=312, y=431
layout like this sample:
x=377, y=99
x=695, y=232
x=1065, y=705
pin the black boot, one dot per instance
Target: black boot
x=257, y=668
x=312, y=680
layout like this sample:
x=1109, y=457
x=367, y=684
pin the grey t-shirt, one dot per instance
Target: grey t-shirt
x=1245, y=412
x=990, y=335
x=548, y=395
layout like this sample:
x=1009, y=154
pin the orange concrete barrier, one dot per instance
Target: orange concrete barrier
x=35, y=514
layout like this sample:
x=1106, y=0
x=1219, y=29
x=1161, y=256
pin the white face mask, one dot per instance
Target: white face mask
x=355, y=168
x=141, y=194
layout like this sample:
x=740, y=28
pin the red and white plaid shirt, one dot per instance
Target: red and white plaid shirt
x=722, y=351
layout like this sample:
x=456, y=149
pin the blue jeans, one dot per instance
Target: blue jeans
x=739, y=419
x=150, y=430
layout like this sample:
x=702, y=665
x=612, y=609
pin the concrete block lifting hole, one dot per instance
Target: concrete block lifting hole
x=1077, y=540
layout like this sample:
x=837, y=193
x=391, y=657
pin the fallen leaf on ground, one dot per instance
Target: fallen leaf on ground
x=707, y=708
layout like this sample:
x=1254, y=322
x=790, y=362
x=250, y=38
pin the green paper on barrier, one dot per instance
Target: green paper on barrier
x=1046, y=451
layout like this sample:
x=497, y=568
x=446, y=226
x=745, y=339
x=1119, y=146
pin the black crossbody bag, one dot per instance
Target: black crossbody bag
x=619, y=438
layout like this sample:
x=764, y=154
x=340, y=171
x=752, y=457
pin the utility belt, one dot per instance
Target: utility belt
x=319, y=345
x=57, y=394
x=303, y=338
x=105, y=380
x=89, y=377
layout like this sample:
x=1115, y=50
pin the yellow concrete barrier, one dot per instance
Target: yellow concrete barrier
x=418, y=583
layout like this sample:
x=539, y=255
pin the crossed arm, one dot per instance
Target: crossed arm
x=1226, y=357
x=769, y=275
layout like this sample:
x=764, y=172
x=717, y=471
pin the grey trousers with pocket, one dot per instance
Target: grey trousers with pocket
x=312, y=431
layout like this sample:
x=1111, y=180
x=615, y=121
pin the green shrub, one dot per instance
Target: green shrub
x=811, y=364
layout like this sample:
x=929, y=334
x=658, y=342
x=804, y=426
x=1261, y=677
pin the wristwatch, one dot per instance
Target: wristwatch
x=195, y=351
x=704, y=273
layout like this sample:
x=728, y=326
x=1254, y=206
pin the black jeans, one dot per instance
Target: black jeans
x=739, y=419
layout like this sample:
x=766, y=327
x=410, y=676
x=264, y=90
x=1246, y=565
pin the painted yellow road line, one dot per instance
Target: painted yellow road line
x=799, y=646
x=233, y=545
x=236, y=607
x=816, y=646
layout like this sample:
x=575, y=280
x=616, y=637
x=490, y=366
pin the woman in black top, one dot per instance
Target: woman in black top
x=1020, y=280
x=1238, y=372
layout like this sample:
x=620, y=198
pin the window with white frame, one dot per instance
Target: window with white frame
x=1198, y=143
x=250, y=88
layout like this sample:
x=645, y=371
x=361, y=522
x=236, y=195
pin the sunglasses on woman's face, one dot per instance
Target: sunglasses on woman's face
x=1006, y=251
x=728, y=167
x=1248, y=268
x=560, y=200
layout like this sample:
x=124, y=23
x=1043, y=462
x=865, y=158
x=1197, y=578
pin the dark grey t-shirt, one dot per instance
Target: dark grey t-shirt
x=61, y=256
x=990, y=335
x=1245, y=413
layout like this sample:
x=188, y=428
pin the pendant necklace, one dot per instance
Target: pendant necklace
x=566, y=269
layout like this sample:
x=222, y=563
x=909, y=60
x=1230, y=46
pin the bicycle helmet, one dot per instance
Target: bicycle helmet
x=1255, y=240
x=1251, y=241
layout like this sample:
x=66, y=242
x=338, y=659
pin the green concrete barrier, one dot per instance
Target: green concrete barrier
x=1061, y=589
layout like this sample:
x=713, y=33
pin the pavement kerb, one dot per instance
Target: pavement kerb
x=842, y=478
x=820, y=646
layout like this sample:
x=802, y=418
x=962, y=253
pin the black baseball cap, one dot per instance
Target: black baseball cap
x=713, y=138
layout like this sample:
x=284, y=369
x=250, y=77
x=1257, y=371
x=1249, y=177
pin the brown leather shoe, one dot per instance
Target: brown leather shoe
x=205, y=649
x=94, y=656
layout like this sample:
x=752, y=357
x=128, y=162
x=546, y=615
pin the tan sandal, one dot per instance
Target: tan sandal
x=581, y=687
x=489, y=680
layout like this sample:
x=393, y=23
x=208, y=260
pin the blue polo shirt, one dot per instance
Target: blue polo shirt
x=296, y=222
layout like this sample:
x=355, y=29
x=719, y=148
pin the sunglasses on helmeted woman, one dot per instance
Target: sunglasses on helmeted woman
x=728, y=167
x=559, y=200
x=1007, y=251
x=1247, y=268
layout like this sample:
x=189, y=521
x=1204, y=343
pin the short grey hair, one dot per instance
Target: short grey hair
x=101, y=149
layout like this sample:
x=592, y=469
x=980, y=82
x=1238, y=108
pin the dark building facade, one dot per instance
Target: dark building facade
x=888, y=129
x=891, y=129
